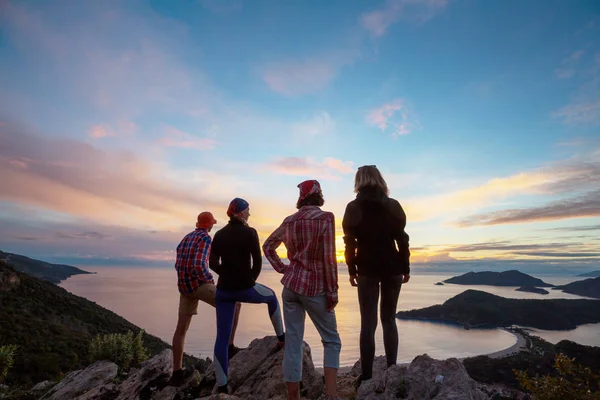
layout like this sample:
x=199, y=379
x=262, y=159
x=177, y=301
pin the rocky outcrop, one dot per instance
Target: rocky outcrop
x=255, y=373
x=78, y=383
x=424, y=378
x=8, y=278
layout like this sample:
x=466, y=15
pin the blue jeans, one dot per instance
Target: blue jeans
x=225, y=301
x=295, y=307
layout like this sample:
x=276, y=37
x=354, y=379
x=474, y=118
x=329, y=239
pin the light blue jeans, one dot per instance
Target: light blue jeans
x=295, y=307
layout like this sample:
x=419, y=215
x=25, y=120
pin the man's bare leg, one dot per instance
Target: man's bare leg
x=330, y=382
x=183, y=324
x=236, y=317
x=293, y=389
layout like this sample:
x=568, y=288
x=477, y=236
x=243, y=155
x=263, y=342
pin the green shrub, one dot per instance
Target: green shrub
x=125, y=350
x=571, y=381
x=7, y=359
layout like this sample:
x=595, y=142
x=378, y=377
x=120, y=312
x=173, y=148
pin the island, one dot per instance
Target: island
x=439, y=284
x=54, y=273
x=477, y=309
x=532, y=289
x=506, y=278
x=587, y=287
x=593, y=274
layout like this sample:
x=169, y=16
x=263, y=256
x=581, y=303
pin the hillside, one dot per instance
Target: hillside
x=52, y=327
x=54, y=273
x=506, y=278
x=593, y=274
x=474, y=308
x=587, y=287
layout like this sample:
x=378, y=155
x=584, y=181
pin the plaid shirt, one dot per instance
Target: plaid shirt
x=309, y=236
x=192, y=261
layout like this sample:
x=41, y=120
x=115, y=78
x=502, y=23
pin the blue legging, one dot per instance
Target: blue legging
x=225, y=301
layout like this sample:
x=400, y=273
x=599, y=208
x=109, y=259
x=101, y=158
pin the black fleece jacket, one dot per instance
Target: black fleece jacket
x=376, y=244
x=232, y=248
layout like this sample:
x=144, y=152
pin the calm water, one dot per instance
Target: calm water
x=148, y=297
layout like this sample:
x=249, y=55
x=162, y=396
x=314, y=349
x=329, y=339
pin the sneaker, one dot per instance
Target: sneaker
x=233, y=350
x=180, y=376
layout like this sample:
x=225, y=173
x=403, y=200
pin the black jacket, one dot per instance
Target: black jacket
x=232, y=248
x=376, y=244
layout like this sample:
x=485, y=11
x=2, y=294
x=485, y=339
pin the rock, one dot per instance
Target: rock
x=255, y=373
x=8, y=279
x=172, y=392
x=42, y=387
x=78, y=383
x=221, y=397
x=418, y=381
x=155, y=369
x=202, y=365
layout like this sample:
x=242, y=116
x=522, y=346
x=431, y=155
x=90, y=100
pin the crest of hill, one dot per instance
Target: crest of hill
x=54, y=273
x=52, y=327
x=474, y=308
x=593, y=274
x=506, y=278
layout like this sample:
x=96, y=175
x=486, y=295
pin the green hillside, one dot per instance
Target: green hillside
x=52, y=327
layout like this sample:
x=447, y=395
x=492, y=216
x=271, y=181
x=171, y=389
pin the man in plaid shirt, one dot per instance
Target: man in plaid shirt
x=195, y=283
x=310, y=284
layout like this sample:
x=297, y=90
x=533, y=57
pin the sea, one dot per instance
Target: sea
x=148, y=297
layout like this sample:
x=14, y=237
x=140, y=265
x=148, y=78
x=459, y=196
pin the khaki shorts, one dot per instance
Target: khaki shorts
x=188, y=303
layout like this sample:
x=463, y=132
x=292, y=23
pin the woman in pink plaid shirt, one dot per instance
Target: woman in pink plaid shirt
x=310, y=283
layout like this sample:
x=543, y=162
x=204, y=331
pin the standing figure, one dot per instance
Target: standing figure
x=377, y=256
x=235, y=256
x=310, y=284
x=195, y=282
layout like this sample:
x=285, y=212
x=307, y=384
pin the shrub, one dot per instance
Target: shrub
x=571, y=381
x=125, y=350
x=7, y=359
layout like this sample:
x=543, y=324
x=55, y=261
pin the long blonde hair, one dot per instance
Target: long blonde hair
x=369, y=175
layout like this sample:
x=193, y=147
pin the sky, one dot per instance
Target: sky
x=120, y=121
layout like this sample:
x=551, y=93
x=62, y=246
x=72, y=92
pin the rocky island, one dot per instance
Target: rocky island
x=477, y=309
x=532, y=289
x=506, y=278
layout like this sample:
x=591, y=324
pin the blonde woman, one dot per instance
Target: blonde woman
x=377, y=255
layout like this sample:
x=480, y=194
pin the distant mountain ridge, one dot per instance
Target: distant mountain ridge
x=54, y=273
x=593, y=274
x=506, y=278
x=474, y=308
x=587, y=287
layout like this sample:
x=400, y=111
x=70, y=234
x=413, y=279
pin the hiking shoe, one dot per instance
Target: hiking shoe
x=180, y=376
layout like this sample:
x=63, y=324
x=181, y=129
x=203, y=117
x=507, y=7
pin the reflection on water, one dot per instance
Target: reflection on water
x=148, y=297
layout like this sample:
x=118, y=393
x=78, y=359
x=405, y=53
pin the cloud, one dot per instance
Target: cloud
x=555, y=254
x=299, y=77
x=176, y=138
x=586, y=205
x=329, y=168
x=580, y=113
x=577, y=228
x=395, y=114
x=321, y=124
x=506, y=246
x=75, y=178
x=568, y=67
x=378, y=21
x=101, y=131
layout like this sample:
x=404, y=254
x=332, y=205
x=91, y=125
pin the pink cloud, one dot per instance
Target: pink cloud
x=395, y=114
x=101, y=131
x=378, y=21
x=177, y=138
x=297, y=78
x=329, y=168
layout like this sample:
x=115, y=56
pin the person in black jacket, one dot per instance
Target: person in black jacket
x=378, y=259
x=233, y=249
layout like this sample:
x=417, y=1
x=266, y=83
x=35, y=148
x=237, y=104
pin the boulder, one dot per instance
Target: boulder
x=255, y=373
x=78, y=383
x=172, y=392
x=155, y=369
x=423, y=378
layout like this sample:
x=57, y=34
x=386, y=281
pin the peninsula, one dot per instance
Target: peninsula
x=54, y=273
